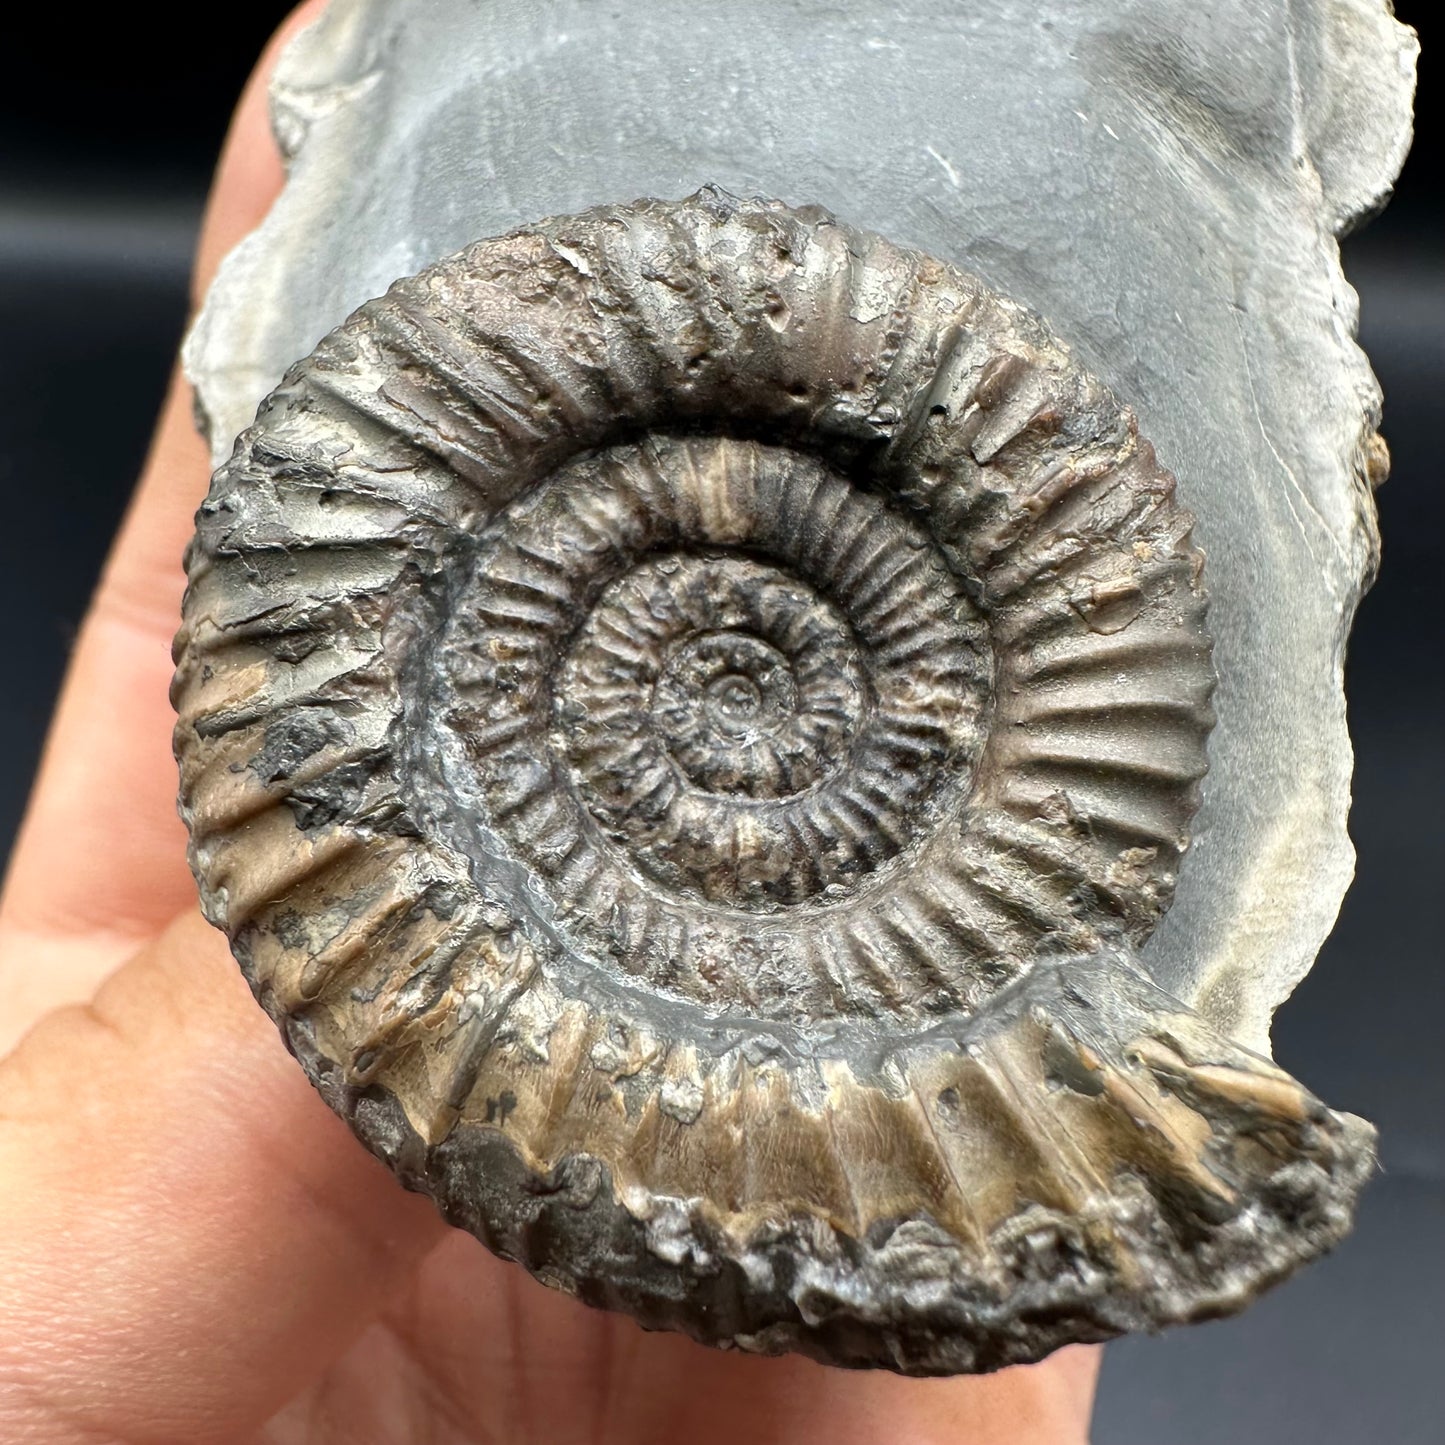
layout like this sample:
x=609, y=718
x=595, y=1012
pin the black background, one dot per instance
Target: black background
x=110, y=121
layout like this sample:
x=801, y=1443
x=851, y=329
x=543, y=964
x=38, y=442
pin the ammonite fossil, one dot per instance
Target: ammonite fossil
x=688, y=711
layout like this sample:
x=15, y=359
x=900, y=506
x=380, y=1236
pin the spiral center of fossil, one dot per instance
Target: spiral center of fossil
x=699, y=690
x=755, y=689
x=731, y=684
x=735, y=701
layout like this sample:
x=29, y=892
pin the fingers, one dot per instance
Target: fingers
x=501, y=1358
x=792, y=1401
x=187, y=1234
x=100, y=861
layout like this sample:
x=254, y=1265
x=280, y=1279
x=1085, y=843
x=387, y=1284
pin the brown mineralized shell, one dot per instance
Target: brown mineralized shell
x=686, y=713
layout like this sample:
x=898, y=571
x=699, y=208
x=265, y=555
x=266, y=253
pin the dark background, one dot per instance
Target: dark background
x=109, y=126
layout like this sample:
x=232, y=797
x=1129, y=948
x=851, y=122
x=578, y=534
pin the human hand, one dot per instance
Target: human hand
x=192, y=1247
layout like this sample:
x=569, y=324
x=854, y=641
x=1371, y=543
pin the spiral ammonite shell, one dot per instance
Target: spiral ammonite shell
x=687, y=711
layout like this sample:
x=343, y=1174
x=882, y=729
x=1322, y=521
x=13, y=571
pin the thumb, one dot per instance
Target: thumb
x=187, y=1234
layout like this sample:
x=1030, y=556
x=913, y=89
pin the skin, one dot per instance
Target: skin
x=192, y=1247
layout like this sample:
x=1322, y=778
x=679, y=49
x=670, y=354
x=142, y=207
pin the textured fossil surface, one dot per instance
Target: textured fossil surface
x=693, y=715
x=687, y=711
